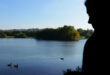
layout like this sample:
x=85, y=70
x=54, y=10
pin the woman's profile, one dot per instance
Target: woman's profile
x=90, y=56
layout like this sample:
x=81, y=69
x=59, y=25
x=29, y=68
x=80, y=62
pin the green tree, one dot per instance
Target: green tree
x=2, y=35
x=66, y=33
x=85, y=33
x=20, y=35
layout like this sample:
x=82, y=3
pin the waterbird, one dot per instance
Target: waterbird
x=62, y=58
x=16, y=66
x=10, y=65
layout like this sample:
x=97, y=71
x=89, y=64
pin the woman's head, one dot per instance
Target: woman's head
x=91, y=10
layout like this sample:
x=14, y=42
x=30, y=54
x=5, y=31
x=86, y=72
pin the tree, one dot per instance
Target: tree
x=2, y=35
x=66, y=33
x=85, y=33
x=20, y=35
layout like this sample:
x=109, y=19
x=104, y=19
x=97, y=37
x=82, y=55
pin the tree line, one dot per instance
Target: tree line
x=66, y=33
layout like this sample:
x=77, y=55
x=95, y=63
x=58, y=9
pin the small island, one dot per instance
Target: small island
x=66, y=33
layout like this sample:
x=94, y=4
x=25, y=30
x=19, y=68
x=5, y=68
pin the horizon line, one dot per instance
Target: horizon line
x=45, y=28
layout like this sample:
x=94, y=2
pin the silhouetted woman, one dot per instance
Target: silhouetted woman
x=90, y=56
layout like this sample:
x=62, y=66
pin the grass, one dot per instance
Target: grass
x=9, y=36
x=70, y=72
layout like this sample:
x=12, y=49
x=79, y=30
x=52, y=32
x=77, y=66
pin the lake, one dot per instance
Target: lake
x=39, y=57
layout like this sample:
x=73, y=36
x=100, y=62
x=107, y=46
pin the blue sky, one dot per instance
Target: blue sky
x=24, y=14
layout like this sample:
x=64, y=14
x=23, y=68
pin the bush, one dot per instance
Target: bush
x=2, y=35
x=70, y=72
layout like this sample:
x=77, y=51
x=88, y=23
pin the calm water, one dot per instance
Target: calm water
x=36, y=57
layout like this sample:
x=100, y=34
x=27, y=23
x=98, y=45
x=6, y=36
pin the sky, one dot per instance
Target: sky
x=25, y=14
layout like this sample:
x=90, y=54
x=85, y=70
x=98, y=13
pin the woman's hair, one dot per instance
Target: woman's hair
x=91, y=10
x=90, y=3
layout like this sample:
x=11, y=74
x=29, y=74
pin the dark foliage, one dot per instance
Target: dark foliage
x=66, y=33
x=85, y=33
x=70, y=72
